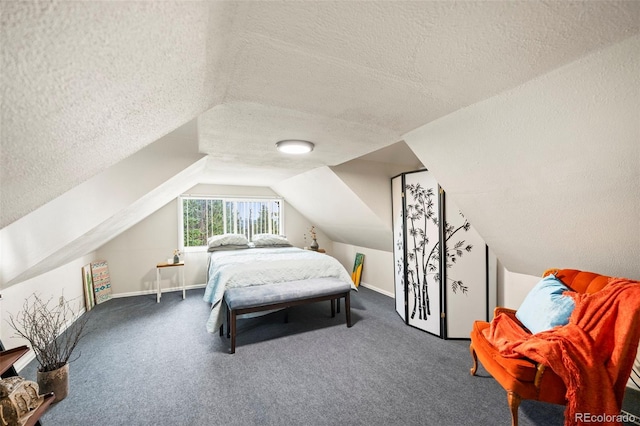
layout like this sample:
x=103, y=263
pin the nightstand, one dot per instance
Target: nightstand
x=320, y=250
x=163, y=265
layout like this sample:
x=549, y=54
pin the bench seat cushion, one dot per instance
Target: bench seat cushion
x=248, y=297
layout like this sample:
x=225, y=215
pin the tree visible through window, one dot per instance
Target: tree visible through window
x=205, y=217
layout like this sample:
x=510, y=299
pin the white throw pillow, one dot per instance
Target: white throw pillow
x=266, y=240
x=227, y=239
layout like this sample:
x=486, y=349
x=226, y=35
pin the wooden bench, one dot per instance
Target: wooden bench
x=244, y=300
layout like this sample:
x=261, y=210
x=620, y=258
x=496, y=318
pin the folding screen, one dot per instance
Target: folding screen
x=397, y=208
x=442, y=280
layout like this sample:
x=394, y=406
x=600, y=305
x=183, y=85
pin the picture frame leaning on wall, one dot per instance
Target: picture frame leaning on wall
x=356, y=275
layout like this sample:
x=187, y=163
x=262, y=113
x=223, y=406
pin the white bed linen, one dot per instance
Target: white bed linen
x=258, y=266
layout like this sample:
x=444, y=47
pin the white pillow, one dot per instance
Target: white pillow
x=266, y=240
x=227, y=239
x=228, y=247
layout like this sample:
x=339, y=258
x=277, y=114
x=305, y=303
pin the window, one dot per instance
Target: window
x=204, y=217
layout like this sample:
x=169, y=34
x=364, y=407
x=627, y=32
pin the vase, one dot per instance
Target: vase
x=176, y=259
x=314, y=245
x=56, y=381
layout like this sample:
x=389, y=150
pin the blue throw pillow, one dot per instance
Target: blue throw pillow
x=545, y=307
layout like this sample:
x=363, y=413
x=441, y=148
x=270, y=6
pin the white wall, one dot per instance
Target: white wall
x=65, y=280
x=371, y=182
x=513, y=287
x=377, y=270
x=323, y=197
x=352, y=201
x=85, y=217
x=133, y=255
x=549, y=172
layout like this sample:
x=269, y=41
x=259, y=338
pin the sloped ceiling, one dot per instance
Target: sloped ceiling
x=92, y=213
x=549, y=172
x=90, y=83
x=86, y=85
x=351, y=202
x=336, y=209
x=355, y=76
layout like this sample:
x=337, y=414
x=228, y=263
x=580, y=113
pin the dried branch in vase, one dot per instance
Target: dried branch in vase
x=53, y=330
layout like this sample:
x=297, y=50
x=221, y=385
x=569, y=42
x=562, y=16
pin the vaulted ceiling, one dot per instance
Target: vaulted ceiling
x=85, y=85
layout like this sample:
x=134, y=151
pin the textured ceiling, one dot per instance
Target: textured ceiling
x=549, y=172
x=354, y=76
x=87, y=84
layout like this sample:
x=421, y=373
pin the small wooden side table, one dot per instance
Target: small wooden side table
x=320, y=250
x=162, y=265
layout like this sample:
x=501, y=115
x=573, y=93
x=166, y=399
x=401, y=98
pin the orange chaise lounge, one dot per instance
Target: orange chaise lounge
x=524, y=378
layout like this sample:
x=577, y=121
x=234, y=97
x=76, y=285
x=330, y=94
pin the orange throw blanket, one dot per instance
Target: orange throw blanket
x=593, y=354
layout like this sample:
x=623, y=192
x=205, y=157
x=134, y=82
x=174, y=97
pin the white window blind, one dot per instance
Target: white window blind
x=202, y=218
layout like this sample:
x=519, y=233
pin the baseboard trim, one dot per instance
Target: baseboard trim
x=196, y=286
x=30, y=356
x=378, y=290
x=24, y=360
x=154, y=291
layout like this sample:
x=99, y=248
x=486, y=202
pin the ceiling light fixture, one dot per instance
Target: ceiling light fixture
x=295, y=146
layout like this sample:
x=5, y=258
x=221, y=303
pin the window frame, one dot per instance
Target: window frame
x=224, y=199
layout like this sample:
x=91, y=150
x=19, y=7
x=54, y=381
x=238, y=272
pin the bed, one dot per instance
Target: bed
x=253, y=266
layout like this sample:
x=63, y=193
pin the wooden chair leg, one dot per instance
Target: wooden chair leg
x=347, y=308
x=475, y=360
x=224, y=306
x=514, y=402
x=338, y=302
x=233, y=332
x=333, y=307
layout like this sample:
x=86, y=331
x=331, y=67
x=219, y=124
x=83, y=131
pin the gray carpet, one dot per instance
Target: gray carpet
x=144, y=363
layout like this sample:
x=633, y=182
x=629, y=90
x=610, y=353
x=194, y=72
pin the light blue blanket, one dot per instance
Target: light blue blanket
x=258, y=266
